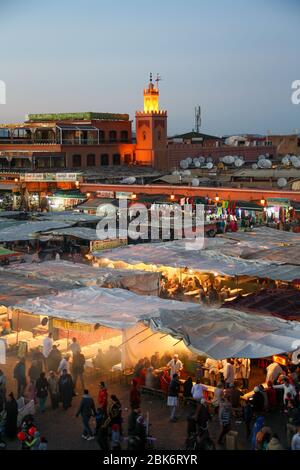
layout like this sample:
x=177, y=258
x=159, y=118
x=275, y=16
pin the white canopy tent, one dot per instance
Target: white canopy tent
x=219, y=333
x=140, y=282
x=29, y=230
x=181, y=254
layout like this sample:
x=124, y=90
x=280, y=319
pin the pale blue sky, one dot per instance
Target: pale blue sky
x=237, y=58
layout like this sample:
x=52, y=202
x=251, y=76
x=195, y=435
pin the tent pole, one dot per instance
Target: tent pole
x=133, y=336
x=147, y=337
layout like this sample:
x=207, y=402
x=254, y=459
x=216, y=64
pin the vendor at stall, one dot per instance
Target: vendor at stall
x=175, y=365
x=273, y=372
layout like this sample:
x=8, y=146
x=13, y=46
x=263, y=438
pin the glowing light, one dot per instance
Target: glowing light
x=172, y=197
x=279, y=360
x=216, y=274
x=133, y=196
x=217, y=198
x=88, y=194
x=77, y=184
x=16, y=180
x=263, y=201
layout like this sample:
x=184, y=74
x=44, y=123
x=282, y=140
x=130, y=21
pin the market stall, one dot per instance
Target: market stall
x=217, y=333
x=188, y=271
x=75, y=274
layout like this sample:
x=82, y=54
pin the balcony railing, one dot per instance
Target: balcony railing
x=74, y=141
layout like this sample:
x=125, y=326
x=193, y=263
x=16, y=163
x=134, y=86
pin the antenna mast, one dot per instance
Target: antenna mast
x=197, y=118
x=158, y=79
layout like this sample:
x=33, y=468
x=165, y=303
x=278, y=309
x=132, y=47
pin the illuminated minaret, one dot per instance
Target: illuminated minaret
x=151, y=130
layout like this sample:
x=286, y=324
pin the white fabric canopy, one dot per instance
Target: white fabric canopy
x=140, y=282
x=180, y=255
x=29, y=230
x=218, y=333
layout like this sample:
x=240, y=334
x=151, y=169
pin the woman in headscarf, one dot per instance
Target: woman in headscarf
x=66, y=388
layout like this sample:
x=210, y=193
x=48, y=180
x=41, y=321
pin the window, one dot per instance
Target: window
x=101, y=136
x=90, y=160
x=104, y=159
x=124, y=136
x=112, y=136
x=76, y=161
x=159, y=135
x=127, y=159
x=116, y=159
x=144, y=135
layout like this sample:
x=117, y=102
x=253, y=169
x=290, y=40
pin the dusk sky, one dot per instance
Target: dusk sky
x=236, y=58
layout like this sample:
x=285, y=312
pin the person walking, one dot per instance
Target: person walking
x=78, y=369
x=74, y=346
x=11, y=417
x=66, y=389
x=274, y=443
x=86, y=410
x=53, y=389
x=20, y=376
x=64, y=365
x=135, y=395
x=42, y=386
x=173, y=394
x=103, y=398
x=34, y=371
x=245, y=372
x=47, y=347
x=54, y=358
x=197, y=390
x=225, y=416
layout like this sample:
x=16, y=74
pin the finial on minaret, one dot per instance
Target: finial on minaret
x=158, y=79
x=150, y=77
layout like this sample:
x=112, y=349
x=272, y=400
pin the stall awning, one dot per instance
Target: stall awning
x=179, y=254
x=29, y=230
x=218, y=333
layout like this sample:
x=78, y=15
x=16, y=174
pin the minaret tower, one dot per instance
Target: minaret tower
x=151, y=130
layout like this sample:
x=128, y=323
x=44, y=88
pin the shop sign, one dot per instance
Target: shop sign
x=105, y=194
x=123, y=195
x=73, y=326
x=99, y=245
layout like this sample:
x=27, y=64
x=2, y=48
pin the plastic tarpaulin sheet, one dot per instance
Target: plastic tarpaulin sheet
x=218, y=333
x=176, y=255
x=222, y=333
x=29, y=230
x=140, y=282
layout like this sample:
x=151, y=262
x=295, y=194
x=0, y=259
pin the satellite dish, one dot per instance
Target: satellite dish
x=189, y=160
x=296, y=163
x=209, y=159
x=285, y=160
x=295, y=359
x=210, y=165
x=228, y=159
x=195, y=182
x=186, y=172
x=261, y=157
x=197, y=164
x=183, y=164
x=129, y=180
x=176, y=173
x=238, y=163
x=201, y=160
x=254, y=166
x=281, y=182
x=195, y=160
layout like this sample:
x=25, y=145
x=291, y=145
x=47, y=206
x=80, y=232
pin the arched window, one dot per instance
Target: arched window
x=116, y=159
x=112, y=136
x=90, y=160
x=144, y=135
x=124, y=136
x=76, y=161
x=159, y=135
x=101, y=136
x=127, y=159
x=104, y=160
